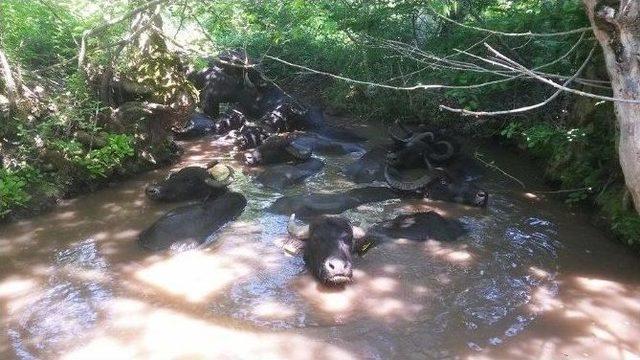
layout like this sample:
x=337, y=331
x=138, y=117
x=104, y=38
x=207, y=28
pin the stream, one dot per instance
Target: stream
x=531, y=279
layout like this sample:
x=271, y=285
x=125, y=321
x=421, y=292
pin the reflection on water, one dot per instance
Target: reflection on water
x=528, y=280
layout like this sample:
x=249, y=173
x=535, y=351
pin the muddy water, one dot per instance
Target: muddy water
x=531, y=279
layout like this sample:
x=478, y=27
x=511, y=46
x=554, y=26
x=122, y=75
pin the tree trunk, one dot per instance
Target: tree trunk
x=616, y=24
x=9, y=82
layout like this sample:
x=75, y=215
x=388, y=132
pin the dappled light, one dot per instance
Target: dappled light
x=77, y=278
x=319, y=180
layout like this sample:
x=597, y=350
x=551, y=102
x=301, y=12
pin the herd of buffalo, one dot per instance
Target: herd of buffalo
x=280, y=136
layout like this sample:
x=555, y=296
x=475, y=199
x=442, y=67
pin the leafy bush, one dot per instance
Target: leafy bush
x=37, y=33
x=15, y=186
x=98, y=163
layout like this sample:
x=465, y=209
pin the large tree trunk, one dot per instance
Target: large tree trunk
x=616, y=24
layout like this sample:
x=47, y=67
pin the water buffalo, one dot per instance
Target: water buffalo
x=369, y=167
x=193, y=182
x=250, y=136
x=230, y=78
x=277, y=149
x=438, y=184
x=198, y=125
x=328, y=248
x=321, y=145
x=231, y=119
x=420, y=227
x=192, y=224
x=307, y=206
x=415, y=148
x=280, y=177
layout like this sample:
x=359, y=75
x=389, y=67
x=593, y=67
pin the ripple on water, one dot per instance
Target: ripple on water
x=68, y=305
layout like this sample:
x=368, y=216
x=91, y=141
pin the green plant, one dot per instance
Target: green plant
x=14, y=186
x=100, y=162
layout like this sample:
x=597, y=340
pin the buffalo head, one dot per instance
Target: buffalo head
x=438, y=184
x=192, y=182
x=329, y=244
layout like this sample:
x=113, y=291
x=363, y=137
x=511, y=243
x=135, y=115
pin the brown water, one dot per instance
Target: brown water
x=531, y=280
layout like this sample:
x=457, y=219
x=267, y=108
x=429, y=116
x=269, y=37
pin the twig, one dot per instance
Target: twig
x=524, y=108
x=495, y=167
x=384, y=86
x=557, y=86
x=526, y=34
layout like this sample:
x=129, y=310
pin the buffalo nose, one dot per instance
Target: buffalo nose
x=482, y=197
x=337, y=267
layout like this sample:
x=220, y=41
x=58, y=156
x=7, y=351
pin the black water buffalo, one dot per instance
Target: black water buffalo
x=324, y=146
x=230, y=78
x=328, y=248
x=413, y=149
x=277, y=149
x=231, y=119
x=419, y=227
x=310, y=205
x=198, y=125
x=369, y=167
x=250, y=136
x=282, y=176
x=438, y=184
x=193, y=182
x=192, y=224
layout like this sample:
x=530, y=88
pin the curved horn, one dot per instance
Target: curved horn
x=247, y=81
x=421, y=136
x=221, y=176
x=403, y=128
x=298, y=232
x=407, y=185
x=299, y=154
x=397, y=138
x=447, y=154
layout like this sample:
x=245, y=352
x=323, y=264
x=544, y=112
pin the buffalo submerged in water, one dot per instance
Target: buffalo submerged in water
x=193, y=224
x=331, y=241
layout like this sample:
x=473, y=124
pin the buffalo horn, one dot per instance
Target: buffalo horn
x=296, y=231
x=407, y=185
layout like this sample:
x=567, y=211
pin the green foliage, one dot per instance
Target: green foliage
x=14, y=186
x=37, y=33
x=625, y=222
x=100, y=162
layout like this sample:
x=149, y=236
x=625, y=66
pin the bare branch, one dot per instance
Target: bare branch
x=384, y=86
x=492, y=165
x=526, y=34
x=557, y=86
x=525, y=108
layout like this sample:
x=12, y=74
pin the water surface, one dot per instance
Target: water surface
x=531, y=280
